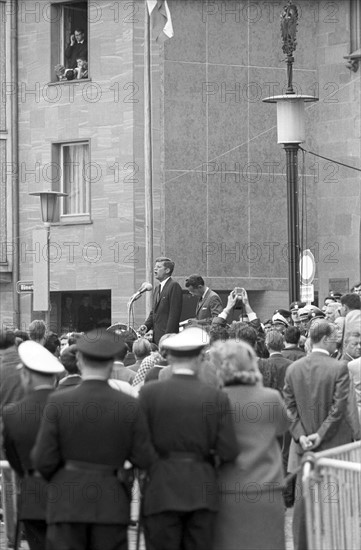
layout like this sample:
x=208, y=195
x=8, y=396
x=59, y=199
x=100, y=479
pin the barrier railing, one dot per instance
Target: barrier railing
x=332, y=491
x=8, y=496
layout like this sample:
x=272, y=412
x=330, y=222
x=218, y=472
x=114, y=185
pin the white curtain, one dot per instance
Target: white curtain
x=75, y=178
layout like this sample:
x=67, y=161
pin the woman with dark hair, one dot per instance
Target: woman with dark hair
x=69, y=361
x=251, y=514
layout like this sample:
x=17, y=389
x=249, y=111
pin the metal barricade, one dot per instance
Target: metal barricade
x=332, y=491
x=8, y=497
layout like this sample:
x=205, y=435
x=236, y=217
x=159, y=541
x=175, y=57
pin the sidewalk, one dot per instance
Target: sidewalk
x=132, y=539
x=132, y=536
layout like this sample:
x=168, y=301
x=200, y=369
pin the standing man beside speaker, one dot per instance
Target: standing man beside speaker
x=209, y=303
x=167, y=302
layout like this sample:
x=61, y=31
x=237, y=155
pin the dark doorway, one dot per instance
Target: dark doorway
x=80, y=311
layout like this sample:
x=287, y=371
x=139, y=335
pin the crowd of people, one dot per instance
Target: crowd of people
x=211, y=421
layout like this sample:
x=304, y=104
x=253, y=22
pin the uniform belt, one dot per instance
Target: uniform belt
x=184, y=456
x=90, y=466
x=125, y=476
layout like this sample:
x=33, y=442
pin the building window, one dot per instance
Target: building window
x=69, y=41
x=355, y=25
x=74, y=160
x=71, y=169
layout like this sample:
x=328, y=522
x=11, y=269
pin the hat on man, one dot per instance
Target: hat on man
x=294, y=306
x=284, y=312
x=100, y=344
x=304, y=312
x=37, y=358
x=316, y=313
x=278, y=318
x=190, y=341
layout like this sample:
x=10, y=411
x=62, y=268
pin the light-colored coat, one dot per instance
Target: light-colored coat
x=210, y=306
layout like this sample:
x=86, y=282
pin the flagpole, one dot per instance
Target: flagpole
x=148, y=183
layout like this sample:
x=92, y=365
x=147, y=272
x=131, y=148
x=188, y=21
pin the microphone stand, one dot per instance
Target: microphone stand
x=135, y=297
x=129, y=308
x=144, y=288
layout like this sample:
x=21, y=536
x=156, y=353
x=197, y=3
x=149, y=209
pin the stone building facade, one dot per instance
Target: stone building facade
x=219, y=186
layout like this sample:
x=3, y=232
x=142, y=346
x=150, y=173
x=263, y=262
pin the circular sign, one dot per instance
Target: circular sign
x=307, y=267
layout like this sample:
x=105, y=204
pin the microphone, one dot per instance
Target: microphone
x=145, y=287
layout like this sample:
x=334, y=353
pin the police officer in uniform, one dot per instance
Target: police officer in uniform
x=87, y=434
x=191, y=427
x=21, y=424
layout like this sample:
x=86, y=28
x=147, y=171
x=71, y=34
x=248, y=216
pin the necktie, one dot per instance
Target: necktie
x=157, y=294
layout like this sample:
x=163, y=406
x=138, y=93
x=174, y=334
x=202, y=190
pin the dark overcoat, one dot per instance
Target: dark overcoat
x=95, y=424
x=185, y=415
x=21, y=425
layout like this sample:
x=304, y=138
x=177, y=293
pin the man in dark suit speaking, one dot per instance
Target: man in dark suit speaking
x=209, y=303
x=167, y=302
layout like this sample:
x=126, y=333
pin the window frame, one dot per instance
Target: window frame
x=58, y=183
x=57, y=45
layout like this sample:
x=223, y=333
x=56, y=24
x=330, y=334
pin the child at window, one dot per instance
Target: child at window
x=70, y=74
x=82, y=68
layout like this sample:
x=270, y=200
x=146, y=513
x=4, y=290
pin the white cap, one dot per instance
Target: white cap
x=190, y=339
x=37, y=358
x=278, y=318
x=304, y=311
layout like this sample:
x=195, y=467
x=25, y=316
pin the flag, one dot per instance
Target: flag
x=161, y=20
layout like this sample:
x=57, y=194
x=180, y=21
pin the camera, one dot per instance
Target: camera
x=240, y=293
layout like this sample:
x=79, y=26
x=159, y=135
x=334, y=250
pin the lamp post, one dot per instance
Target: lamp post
x=48, y=200
x=291, y=132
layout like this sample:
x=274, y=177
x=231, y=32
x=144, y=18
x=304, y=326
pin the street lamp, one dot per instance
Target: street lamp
x=291, y=132
x=48, y=200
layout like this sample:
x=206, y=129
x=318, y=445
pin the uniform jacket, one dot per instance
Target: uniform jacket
x=186, y=416
x=167, y=308
x=92, y=423
x=21, y=425
x=316, y=394
x=208, y=307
